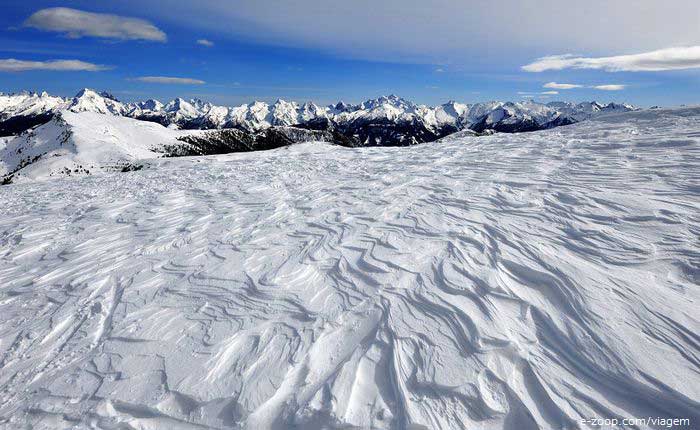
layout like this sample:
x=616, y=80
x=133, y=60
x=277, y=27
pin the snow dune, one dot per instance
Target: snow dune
x=519, y=281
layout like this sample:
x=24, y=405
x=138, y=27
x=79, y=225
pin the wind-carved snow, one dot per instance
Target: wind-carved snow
x=503, y=282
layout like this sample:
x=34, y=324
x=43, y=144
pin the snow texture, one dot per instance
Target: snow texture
x=518, y=281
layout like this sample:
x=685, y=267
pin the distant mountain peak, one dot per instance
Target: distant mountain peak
x=86, y=92
x=150, y=104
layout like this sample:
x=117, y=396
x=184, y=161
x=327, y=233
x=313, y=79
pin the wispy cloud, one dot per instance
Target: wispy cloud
x=205, y=42
x=169, y=80
x=610, y=87
x=542, y=93
x=77, y=23
x=439, y=70
x=558, y=86
x=653, y=61
x=14, y=65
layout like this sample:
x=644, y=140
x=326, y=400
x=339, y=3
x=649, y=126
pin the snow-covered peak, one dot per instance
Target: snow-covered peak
x=617, y=107
x=180, y=110
x=259, y=111
x=341, y=106
x=476, y=111
x=175, y=104
x=200, y=105
x=390, y=100
x=28, y=103
x=454, y=108
x=285, y=113
x=151, y=105
x=86, y=92
x=448, y=114
x=88, y=100
x=309, y=111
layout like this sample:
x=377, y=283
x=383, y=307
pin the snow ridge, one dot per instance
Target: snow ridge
x=84, y=143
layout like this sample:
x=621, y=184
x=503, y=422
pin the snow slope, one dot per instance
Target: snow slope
x=83, y=143
x=503, y=282
x=87, y=143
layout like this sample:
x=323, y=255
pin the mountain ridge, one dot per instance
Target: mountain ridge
x=372, y=122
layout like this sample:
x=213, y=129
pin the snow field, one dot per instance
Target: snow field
x=504, y=282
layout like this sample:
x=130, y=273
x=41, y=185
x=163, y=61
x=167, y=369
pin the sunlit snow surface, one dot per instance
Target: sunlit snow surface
x=513, y=281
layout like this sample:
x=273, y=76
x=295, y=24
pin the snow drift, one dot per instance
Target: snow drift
x=503, y=282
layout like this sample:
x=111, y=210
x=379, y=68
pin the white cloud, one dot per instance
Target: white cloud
x=557, y=86
x=169, y=80
x=13, y=65
x=550, y=92
x=77, y=23
x=439, y=70
x=610, y=87
x=653, y=61
x=205, y=42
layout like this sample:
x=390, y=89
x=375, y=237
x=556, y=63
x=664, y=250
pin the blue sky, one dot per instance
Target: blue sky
x=430, y=52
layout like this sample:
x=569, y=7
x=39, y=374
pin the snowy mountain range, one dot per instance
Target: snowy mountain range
x=382, y=121
x=94, y=132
